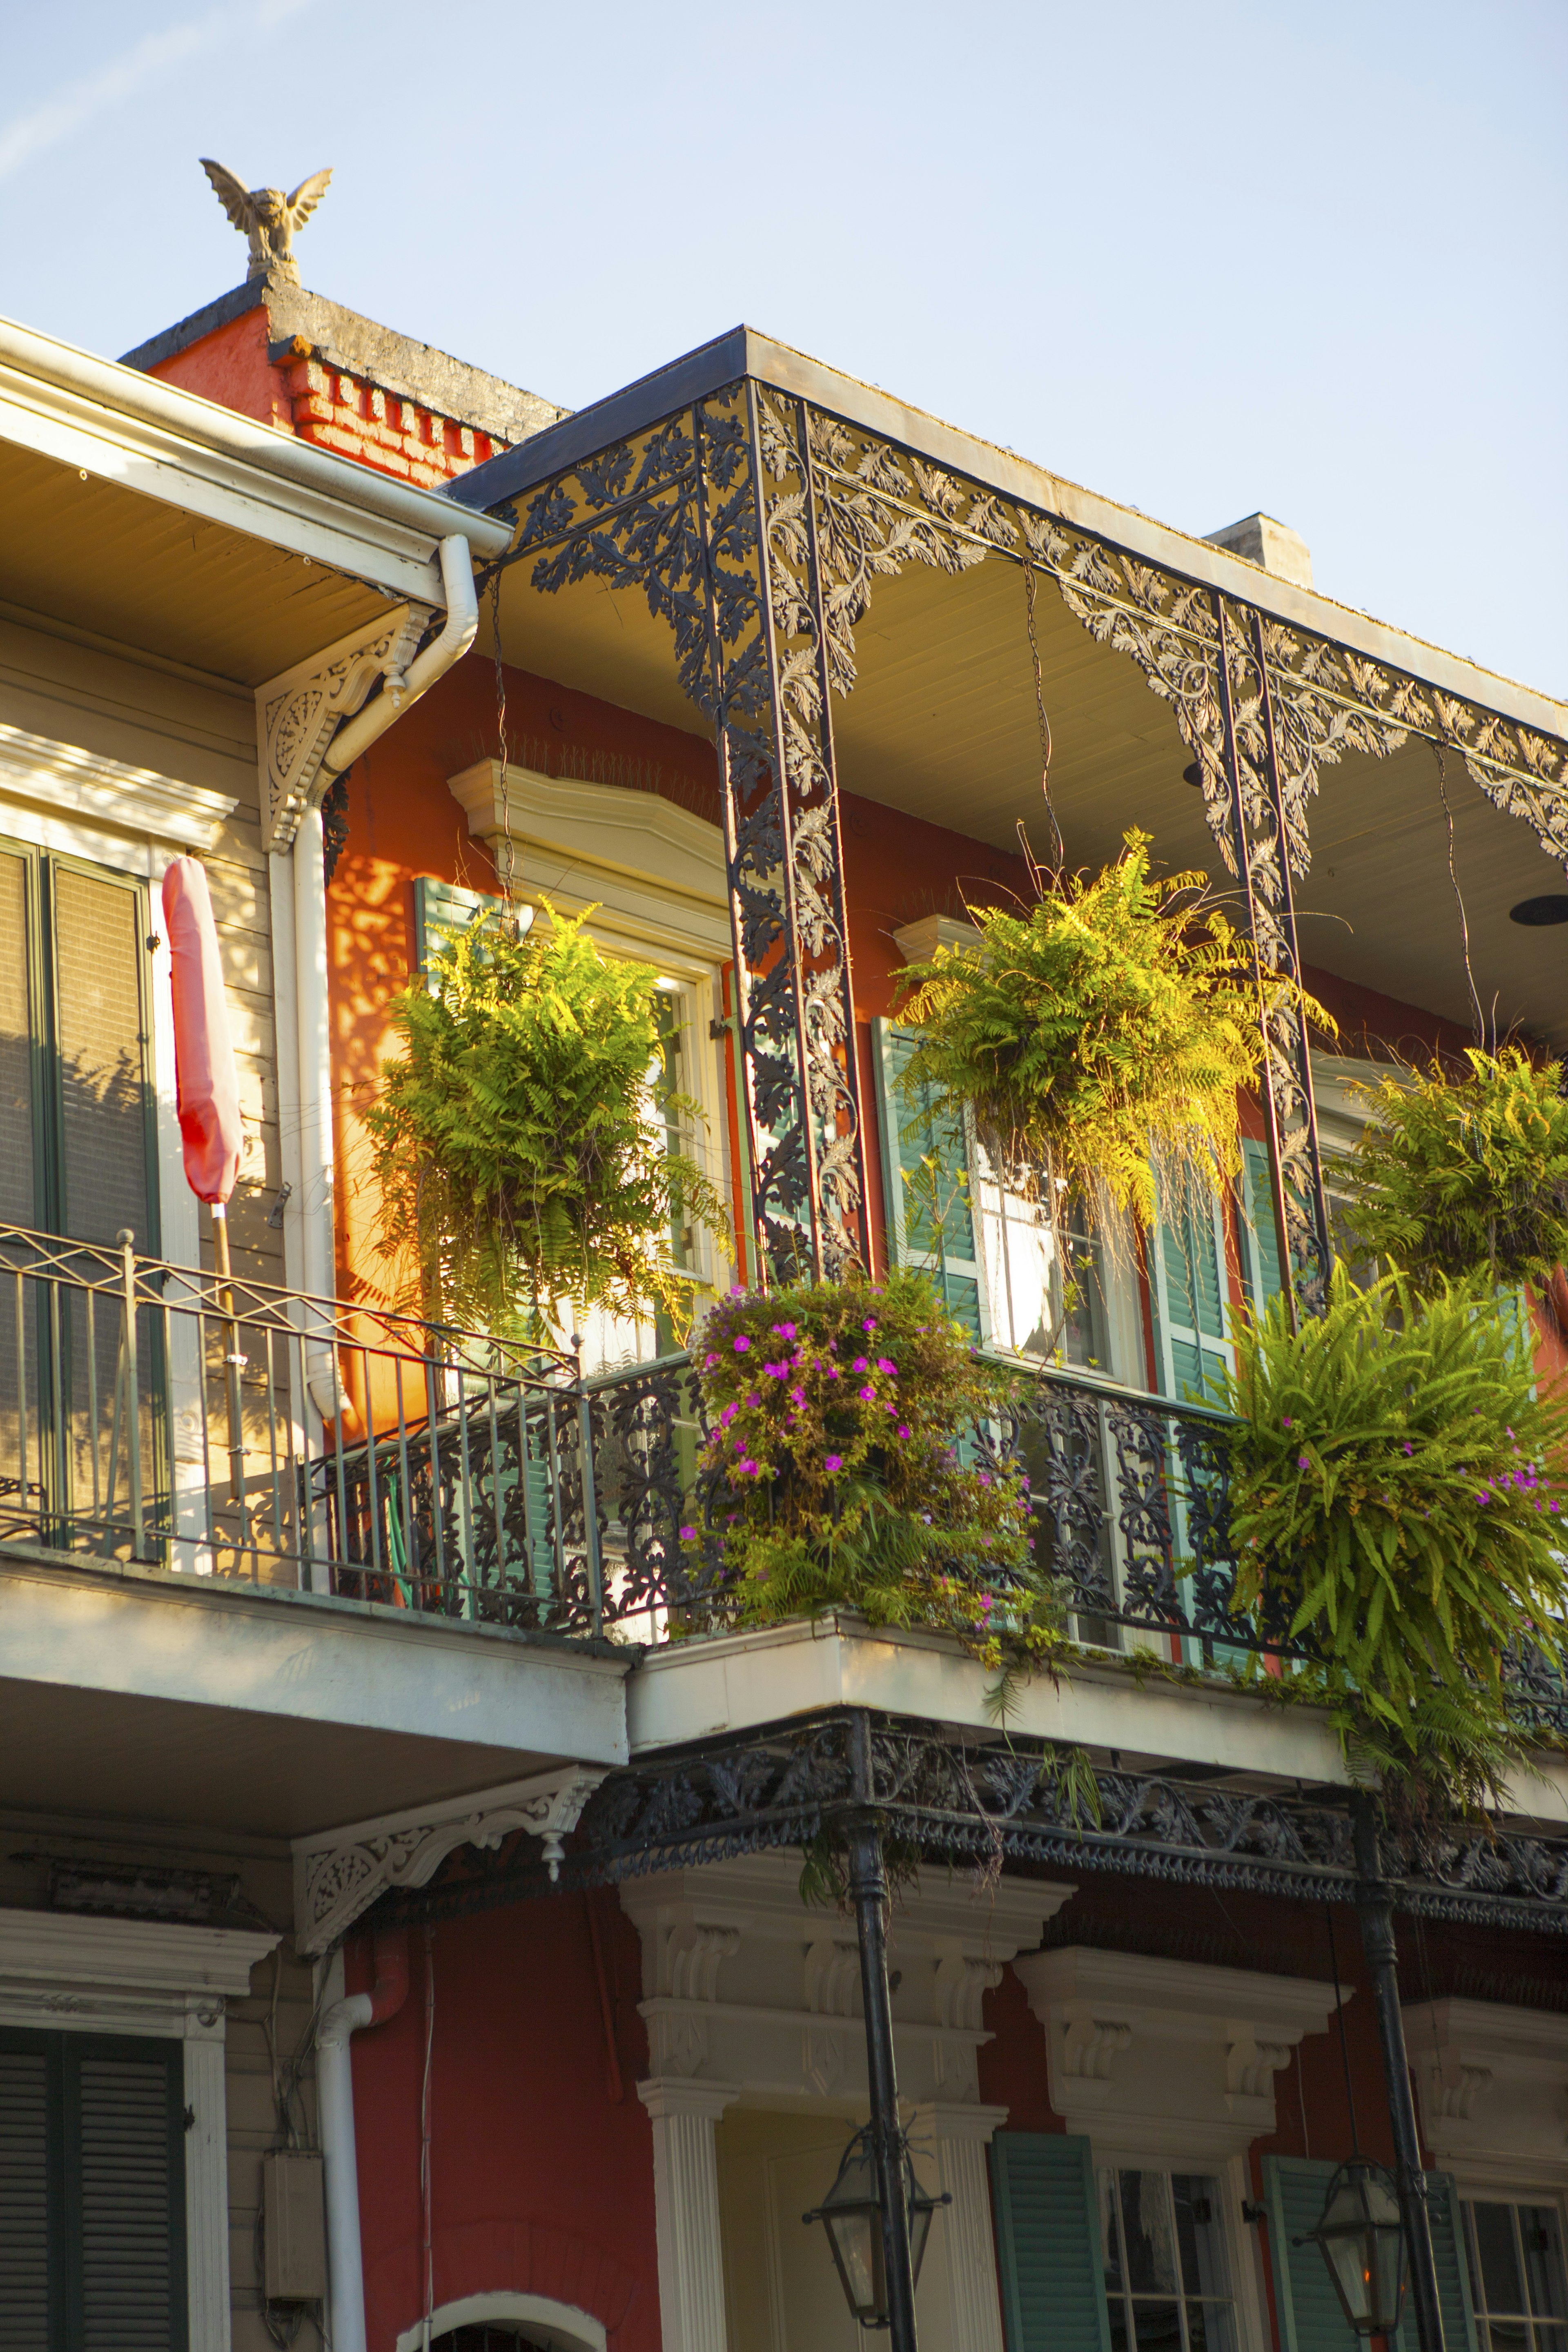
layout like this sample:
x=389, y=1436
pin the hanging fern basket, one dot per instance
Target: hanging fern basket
x=1465, y=1173
x=521, y=1135
x=1098, y=1040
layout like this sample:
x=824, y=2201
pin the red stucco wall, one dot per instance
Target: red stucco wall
x=542, y=2154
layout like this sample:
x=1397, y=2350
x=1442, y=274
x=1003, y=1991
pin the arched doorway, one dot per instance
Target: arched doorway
x=508, y=2320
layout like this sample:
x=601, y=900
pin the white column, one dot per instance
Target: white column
x=686, y=2204
x=958, y=2282
x=206, y=2173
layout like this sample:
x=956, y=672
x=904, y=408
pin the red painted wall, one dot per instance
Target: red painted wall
x=542, y=2154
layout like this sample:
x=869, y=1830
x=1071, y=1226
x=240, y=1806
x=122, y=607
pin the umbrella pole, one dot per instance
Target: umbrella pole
x=234, y=1362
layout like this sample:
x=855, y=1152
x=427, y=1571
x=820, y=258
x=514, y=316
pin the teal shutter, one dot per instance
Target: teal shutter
x=927, y=1187
x=1307, y=2308
x=1189, y=1296
x=1311, y=2319
x=1049, y=2256
x=1261, y=1234
x=441, y=909
x=1453, y=2272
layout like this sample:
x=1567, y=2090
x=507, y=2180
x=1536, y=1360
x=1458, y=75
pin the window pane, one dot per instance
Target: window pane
x=1552, y=2339
x=1150, y=2238
x=1157, y=2325
x=1509, y=2335
x=1538, y=2227
x=1199, y=2235
x=1494, y=2264
x=1210, y=2327
x=1118, y=2310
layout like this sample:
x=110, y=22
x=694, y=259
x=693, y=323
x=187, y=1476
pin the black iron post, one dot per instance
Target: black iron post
x=869, y=1893
x=1374, y=1908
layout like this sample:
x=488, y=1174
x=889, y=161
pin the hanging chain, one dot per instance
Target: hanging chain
x=1040, y=714
x=507, y=863
x=1459, y=902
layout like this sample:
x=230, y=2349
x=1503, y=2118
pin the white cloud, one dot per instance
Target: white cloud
x=26, y=135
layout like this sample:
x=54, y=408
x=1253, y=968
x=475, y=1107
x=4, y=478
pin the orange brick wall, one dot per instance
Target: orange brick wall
x=299, y=395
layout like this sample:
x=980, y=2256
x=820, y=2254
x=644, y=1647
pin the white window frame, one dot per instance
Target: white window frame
x=61, y=1972
x=1469, y=2188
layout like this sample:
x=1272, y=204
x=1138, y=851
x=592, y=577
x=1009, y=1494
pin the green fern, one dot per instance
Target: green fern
x=518, y=1139
x=1101, y=1036
x=1397, y=1474
x=1466, y=1175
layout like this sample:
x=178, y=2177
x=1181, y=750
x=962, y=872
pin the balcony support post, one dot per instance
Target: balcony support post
x=1374, y=1910
x=1260, y=841
x=868, y=1894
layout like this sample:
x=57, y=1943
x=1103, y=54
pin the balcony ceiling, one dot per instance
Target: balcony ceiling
x=152, y=578
x=941, y=725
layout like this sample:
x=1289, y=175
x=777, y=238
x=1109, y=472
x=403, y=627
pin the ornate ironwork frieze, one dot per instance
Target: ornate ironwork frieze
x=757, y=525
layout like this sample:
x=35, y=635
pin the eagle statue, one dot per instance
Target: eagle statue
x=267, y=217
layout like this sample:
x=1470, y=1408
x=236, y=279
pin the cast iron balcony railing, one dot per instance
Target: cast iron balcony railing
x=149, y=1414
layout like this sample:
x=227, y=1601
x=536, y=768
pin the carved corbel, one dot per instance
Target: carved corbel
x=1091, y=2043
x=1453, y=2087
x=832, y=1973
x=300, y=711
x=339, y=1875
x=1250, y=2066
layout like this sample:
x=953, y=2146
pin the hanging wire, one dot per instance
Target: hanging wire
x=1339, y=2016
x=508, y=855
x=1044, y=724
x=1459, y=902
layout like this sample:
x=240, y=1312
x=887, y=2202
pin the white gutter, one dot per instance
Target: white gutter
x=398, y=695
x=126, y=392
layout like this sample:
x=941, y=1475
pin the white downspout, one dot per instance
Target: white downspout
x=339, y=2162
x=399, y=694
x=335, y=2116
x=310, y=974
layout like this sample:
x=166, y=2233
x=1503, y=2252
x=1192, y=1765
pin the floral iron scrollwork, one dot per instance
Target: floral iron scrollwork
x=706, y=515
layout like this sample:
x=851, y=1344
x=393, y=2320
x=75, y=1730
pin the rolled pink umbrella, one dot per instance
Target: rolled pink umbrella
x=205, y=1073
x=207, y=1092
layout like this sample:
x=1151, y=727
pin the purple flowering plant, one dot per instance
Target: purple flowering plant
x=847, y=1473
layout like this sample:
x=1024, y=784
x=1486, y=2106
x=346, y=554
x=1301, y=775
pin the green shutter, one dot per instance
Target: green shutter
x=1453, y=2272
x=1307, y=2308
x=441, y=908
x=1259, y=1231
x=1311, y=2319
x=92, y=2171
x=921, y=1156
x=1189, y=1298
x=1049, y=2256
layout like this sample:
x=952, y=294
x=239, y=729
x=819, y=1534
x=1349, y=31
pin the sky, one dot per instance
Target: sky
x=1203, y=256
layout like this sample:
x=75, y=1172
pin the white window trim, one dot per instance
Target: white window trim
x=60, y=1972
x=653, y=875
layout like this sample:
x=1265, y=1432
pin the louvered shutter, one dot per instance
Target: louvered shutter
x=1047, y=2243
x=130, y=2184
x=1310, y=2320
x=1453, y=2272
x=1190, y=1295
x=1260, y=1232
x=1308, y=2310
x=25, y=2148
x=93, y=2194
x=919, y=1151
x=100, y=1044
